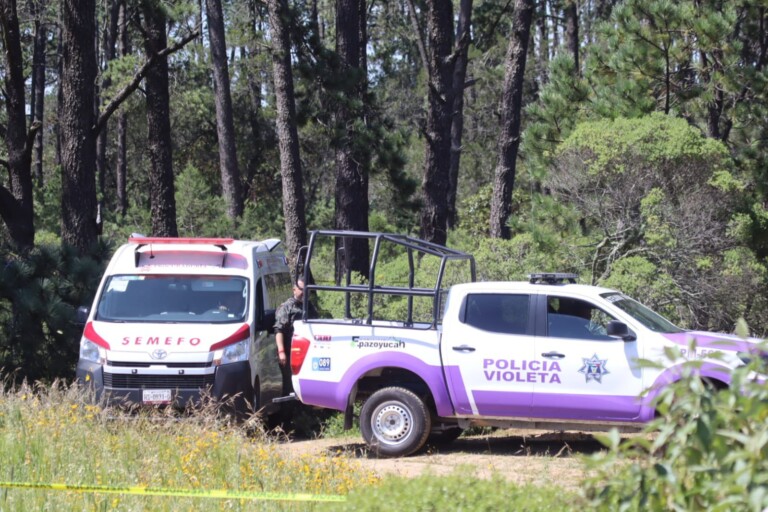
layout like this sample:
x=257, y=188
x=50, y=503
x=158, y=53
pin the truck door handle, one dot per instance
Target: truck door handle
x=553, y=355
x=464, y=348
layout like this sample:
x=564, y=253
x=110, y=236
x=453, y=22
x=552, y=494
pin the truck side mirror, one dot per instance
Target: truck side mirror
x=618, y=329
x=267, y=321
x=81, y=316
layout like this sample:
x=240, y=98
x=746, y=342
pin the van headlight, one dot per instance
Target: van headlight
x=233, y=353
x=89, y=351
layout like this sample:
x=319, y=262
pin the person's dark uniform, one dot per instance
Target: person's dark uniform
x=288, y=312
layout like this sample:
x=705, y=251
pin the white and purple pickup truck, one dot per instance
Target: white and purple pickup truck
x=546, y=353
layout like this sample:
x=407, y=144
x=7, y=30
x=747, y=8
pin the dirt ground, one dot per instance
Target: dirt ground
x=520, y=456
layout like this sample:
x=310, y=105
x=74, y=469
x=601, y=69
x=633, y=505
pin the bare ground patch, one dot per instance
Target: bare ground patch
x=520, y=456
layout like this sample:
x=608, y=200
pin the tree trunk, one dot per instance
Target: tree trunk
x=571, y=13
x=542, y=53
x=511, y=108
x=225, y=126
x=38, y=85
x=457, y=122
x=287, y=133
x=161, y=186
x=77, y=119
x=110, y=37
x=254, y=82
x=351, y=170
x=437, y=160
x=16, y=207
x=121, y=168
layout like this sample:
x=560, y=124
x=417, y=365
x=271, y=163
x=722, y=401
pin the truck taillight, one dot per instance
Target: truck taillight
x=299, y=349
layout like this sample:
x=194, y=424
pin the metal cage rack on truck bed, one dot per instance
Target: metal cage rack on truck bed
x=413, y=247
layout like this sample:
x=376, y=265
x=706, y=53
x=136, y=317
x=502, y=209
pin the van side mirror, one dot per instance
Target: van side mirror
x=618, y=329
x=81, y=316
x=267, y=321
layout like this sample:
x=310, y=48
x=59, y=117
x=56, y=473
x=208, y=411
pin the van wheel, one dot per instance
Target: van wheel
x=395, y=422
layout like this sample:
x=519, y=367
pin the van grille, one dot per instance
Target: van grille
x=167, y=365
x=124, y=381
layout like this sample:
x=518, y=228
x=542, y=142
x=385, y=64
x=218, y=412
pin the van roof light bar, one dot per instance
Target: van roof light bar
x=552, y=278
x=144, y=240
x=141, y=241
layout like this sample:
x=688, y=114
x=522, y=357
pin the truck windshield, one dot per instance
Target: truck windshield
x=173, y=298
x=642, y=314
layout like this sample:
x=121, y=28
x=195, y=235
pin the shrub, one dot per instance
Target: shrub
x=707, y=450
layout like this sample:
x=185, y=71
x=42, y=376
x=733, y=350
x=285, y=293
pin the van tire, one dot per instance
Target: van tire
x=395, y=422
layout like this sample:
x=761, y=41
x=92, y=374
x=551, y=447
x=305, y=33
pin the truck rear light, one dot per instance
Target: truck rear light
x=299, y=349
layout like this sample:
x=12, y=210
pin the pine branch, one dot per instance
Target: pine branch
x=138, y=77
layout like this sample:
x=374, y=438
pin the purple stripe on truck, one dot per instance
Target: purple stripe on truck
x=334, y=395
x=456, y=384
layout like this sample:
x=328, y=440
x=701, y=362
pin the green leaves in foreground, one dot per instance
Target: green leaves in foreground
x=707, y=450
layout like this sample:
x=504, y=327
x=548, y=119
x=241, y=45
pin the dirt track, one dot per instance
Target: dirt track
x=521, y=456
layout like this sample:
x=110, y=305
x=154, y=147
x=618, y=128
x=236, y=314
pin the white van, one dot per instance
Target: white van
x=176, y=318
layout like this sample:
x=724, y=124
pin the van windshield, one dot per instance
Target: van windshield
x=174, y=298
x=643, y=314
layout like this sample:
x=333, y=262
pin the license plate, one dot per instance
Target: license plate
x=156, y=396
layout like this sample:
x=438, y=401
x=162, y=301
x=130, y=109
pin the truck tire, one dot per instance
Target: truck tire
x=395, y=422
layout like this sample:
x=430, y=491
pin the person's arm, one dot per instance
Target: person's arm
x=281, y=323
x=280, y=339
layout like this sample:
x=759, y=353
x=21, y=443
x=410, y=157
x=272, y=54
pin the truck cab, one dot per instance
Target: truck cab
x=177, y=319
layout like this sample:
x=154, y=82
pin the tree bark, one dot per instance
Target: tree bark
x=108, y=44
x=457, y=121
x=437, y=161
x=225, y=126
x=161, y=185
x=287, y=133
x=38, y=85
x=16, y=206
x=351, y=170
x=77, y=118
x=511, y=108
x=121, y=167
x=571, y=12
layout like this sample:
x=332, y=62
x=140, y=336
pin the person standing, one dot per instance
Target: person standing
x=288, y=312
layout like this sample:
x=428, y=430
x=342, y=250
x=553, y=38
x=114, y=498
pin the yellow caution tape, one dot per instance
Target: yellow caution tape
x=194, y=493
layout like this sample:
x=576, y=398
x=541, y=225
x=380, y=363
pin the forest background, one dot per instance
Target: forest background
x=625, y=141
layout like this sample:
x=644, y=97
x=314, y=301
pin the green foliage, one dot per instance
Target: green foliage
x=613, y=146
x=459, y=491
x=48, y=205
x=641, y=279
x=39, y=294
x=654, y=190
x=199, y=212
x=707, y=450
x=513, y=260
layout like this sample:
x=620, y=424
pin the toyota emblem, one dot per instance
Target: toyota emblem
x=158, y=354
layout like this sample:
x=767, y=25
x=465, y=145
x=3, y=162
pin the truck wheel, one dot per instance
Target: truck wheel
x=395, y=422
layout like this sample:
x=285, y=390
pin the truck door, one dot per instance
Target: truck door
x=487, y=354
x=593, y=376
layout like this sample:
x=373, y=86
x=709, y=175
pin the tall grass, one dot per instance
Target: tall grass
x=54, y=435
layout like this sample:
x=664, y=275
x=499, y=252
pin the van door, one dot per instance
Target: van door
x=597, y=375
x=488, y=356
